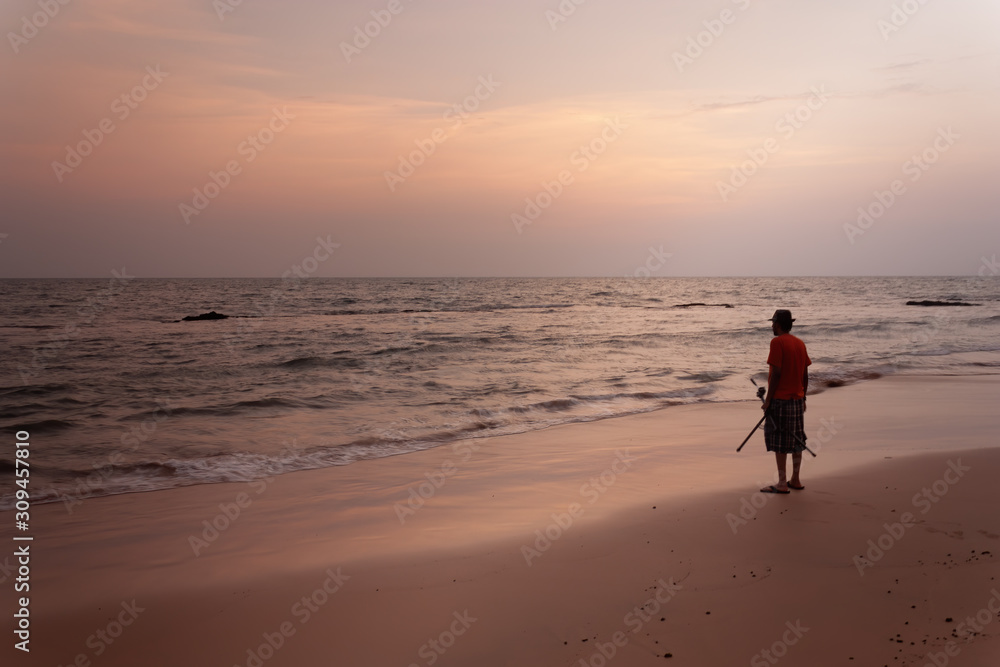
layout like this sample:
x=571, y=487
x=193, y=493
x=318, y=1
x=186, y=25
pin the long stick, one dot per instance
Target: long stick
x=752, y=432
x=760, y=395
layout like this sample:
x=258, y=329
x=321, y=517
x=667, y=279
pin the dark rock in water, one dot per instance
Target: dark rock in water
x=939, y=303
x=707, y=305
x=204, y=316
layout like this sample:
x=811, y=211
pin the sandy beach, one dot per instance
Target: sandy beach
x=387, y=333
x=632, y=541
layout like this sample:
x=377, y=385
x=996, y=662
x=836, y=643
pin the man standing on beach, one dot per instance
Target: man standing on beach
x=785, y=403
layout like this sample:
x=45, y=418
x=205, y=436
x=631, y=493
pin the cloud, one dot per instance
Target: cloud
x=906, y=65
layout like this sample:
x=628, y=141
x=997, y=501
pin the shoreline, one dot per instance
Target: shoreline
x=469, y=545
x=491, y=436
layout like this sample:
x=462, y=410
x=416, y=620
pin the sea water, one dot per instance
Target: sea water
x=119, y=396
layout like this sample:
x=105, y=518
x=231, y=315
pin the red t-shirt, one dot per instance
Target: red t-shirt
x=788, y=354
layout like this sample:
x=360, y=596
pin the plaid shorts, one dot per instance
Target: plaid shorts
x=786, y=420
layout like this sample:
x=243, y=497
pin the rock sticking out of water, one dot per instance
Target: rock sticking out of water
x=204, y=316
x=707, y=305
x=939, y=303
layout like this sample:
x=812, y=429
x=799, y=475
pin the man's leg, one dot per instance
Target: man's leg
x=796, y=464
x=781, y=458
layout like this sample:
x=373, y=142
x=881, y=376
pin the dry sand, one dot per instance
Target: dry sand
x=617, y=542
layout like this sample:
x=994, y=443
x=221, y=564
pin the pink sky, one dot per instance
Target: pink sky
x=823, y=105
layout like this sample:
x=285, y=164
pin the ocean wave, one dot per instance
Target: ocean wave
x=705, y=376
x=34, y=389
x=580, y=400
x=46, y=426
x=237, y=407
x=143, y=476
x=321, y=362
x=852, y=328
x=393, y=350
x=220, y=468
x=624, y=341
x=556, y=404
x=527, y=306
x=30, y=326
x=471, y=308
x=819, y=380
x=956, y=348
x=930, y=352
x=19, y=411
x=670, y=394
x=435, y=368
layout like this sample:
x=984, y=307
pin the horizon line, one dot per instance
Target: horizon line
x=508, y=277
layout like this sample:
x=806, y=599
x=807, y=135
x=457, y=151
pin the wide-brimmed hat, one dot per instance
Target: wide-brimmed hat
x=782, y=316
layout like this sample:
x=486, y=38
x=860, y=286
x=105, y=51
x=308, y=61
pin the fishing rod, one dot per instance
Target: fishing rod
x=751, y=433
x=760, y=394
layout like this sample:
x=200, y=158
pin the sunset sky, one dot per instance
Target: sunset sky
x=423, y=147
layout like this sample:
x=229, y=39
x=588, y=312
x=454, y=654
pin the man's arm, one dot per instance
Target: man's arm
x=773, y=377
x=805, y=386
